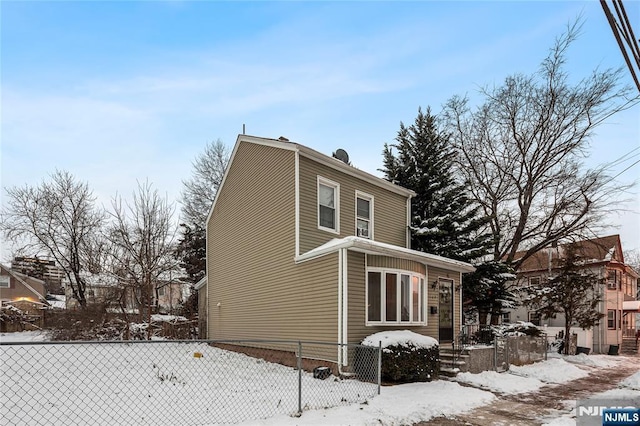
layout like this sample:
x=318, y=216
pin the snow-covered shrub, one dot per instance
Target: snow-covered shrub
x=520, y=328
x=407, y=356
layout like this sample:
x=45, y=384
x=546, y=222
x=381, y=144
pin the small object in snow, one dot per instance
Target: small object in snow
x=321, y=372
x=197, y=354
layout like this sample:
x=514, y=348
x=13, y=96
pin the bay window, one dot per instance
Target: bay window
x=395, y=297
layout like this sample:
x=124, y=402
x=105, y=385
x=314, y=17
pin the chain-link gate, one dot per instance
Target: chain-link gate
x=178, y=382
x=501, y=351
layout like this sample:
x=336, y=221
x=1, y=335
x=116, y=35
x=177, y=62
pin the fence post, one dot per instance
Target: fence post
x=299, y=377
x=379, y=365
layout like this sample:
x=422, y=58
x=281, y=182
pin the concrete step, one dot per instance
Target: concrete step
x=448, y=372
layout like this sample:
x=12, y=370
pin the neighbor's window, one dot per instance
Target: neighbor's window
x=328, y=205
x=364, y=215
x=161, y=291
x=395, y=297
x=612, y=279
x=611, y=319
x=534, y=281
x=506, y=317
x=534, y=318
x=4, y=281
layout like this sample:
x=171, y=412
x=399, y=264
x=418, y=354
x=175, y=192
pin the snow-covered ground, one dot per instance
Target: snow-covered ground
x=147, y=389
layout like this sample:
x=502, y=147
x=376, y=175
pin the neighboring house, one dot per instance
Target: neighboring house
x=603, y=256
x=301, y=245
x=117, y=295
x=23, y=292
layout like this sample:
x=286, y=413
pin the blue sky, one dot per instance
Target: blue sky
x=115, y=92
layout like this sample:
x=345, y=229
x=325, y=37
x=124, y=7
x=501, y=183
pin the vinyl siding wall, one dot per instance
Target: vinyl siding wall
x=389, y=209
x=261, y=292
x=357, y=330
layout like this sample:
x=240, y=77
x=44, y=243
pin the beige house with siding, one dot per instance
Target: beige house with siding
x=301, y=245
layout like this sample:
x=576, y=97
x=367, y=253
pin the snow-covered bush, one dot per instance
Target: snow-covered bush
x=520, y=328
x=407, y=356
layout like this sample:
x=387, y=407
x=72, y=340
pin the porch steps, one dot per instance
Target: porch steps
x=629, y=346
x=450, y=365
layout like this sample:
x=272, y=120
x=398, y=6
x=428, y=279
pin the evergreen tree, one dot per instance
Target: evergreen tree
x=191, y=251
x=488, y=291
x=444, y=220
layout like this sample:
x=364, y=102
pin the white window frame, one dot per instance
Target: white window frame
x=506, y=315
x=336, y=194
x=369, y=198
x=422, y=298
x=162, y=291
x=5, y=281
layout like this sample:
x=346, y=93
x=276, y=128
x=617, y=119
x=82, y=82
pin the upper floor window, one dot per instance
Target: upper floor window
x=4, y=281
x=328, y=205
x=613, y=277
x=161, y=291
x=364, y=215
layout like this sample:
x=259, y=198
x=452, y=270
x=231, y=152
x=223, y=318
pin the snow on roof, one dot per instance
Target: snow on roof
x=400, y=338
x=631, y=305
x=375, y=247
x=201, y=283
x=57, y=301
x=167, y=318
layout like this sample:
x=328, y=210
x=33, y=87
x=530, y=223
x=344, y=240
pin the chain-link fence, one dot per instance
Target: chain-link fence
x=179, y=382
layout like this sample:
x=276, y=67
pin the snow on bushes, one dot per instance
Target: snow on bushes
x=406, y=356
x=520, y=328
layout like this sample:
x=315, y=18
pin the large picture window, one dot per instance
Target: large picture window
x=395, y=297
x=328, y=205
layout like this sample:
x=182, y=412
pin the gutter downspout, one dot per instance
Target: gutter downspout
x=345, y=308
x=340, y=303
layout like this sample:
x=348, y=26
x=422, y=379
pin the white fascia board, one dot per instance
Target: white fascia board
x=336, y=164
x=373, y=247
x=318, y=157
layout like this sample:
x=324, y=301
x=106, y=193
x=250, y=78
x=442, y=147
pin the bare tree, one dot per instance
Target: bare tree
x=58, y=218
x=521, y=152
x=200, y=191
x=143, y=237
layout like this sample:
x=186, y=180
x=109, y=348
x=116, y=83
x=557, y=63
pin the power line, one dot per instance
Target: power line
x=622, y=31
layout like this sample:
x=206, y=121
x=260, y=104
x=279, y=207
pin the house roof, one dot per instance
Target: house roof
x=23, y=280
x=201, y=283
x=364, y=245
x=595, y=250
